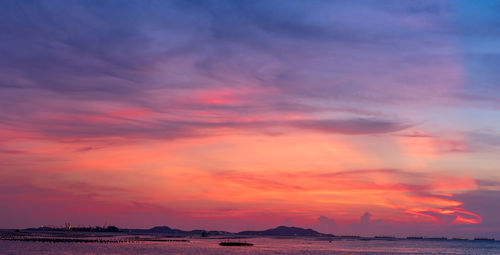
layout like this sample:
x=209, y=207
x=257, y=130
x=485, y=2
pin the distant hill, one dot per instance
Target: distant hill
x=279, y=231
x=160, y=229
x=284, y=231
x=171, y=231
x=164, y=230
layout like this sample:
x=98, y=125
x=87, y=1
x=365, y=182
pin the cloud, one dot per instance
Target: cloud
x=204, y=66
x=480, y=201
x=417, y=196
x=83, y=75
x=427, y=144
x=12, y=151
x=145, y=124
x=365, y=219
x=484, y=140
x=353, y=126
x=325, y=225
x=123, y=52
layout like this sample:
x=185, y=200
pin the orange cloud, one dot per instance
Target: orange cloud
x=390, y=189
x=237, y=175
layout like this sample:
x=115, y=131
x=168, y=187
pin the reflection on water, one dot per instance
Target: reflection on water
x=262, y=246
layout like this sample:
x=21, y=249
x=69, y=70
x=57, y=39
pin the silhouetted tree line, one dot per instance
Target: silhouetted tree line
x=80, y=229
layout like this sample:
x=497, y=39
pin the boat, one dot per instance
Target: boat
x=227, y=243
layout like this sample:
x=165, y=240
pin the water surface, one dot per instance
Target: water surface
x=262, y=246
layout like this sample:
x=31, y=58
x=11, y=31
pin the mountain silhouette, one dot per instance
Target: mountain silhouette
x=284, y=231
x=165, y=230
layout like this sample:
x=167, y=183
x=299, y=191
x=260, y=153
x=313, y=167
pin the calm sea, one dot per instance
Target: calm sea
x=262, y=246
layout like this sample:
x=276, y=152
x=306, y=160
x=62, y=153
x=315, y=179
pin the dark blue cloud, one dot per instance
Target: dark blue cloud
x=353, y=126
x=316, y=56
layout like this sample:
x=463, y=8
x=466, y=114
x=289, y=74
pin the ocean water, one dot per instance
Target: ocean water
x=261, y=246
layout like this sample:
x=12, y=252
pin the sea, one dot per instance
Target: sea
x=261, y=246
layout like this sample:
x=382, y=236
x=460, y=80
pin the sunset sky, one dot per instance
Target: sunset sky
x=349, y=117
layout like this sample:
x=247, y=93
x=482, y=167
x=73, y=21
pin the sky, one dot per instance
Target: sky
x=348, y=117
